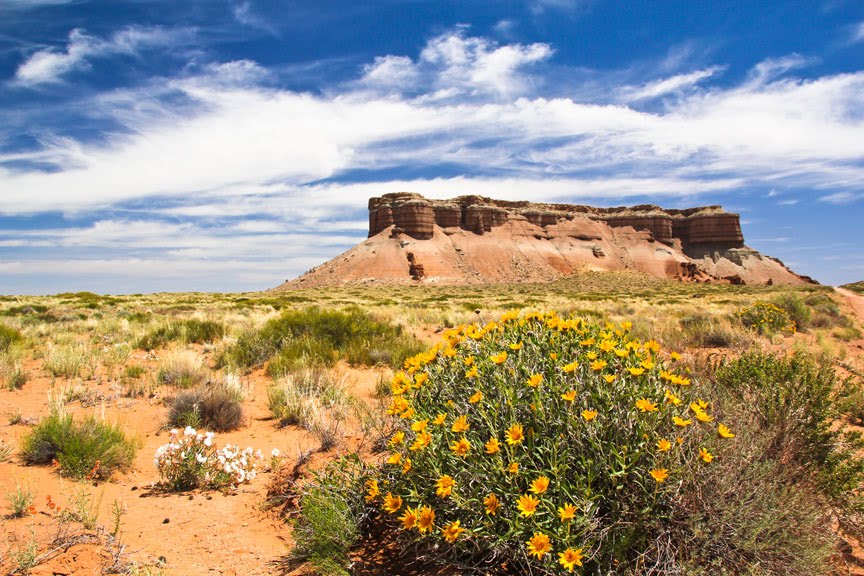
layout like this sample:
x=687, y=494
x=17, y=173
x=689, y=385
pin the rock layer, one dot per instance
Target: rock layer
x=473, y=239
x=415, y=215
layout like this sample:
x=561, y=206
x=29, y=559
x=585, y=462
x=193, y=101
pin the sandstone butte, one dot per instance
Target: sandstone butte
x=478, y=240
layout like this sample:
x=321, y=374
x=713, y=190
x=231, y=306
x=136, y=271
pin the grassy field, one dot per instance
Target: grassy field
x=91, y=386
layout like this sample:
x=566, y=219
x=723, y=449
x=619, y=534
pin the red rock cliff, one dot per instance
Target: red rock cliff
x=416, y=216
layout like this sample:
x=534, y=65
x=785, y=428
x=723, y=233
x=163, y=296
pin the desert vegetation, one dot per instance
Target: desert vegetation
x=605, y=423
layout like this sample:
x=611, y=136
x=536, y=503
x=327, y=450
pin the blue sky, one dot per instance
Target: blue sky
x=225, y=145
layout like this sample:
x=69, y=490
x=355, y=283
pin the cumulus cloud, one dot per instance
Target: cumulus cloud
x=50, y=66
x=455, y=64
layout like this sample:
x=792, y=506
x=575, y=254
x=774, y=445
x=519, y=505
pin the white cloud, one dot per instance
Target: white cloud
x=454, y=64
x=245, y=15
x=857, y=33
x=844, y=197
x=673, y=84
x=49, y=66
x=772, y=68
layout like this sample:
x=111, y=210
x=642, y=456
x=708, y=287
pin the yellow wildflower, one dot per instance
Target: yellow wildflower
x=660, y=474
x=476, y=397
x=724, y=431
x=636, y=371
x=398, y=405
x=570, y=558
x=675, y=356
x=397, y=438
x=646, y=405
x=372, y=490
x=609, y=378
x=422, y=440
x=652, y=346
x=391, y=503
x=569, y=396
x=527, y=505
x=469, y=360
x=499, y=358
x=419, y=425
x=539, y=545
x=539, y=485
x=452, y=531
x=492, y=446
x=663, y=445
x=406, y=466
x=672, y=398
x=492, y=504
x=535, y=380
x=394, y=458
x=409, y=518
x=513, y=468
x=439, y=419
x=567, y=512
x=571, y=367
x=444, y=486
x=589, y=415
x=705, y=455
x=460, y=447
x=461, y=425
x=425, y=519
x=471, y=373
x=598, y=365
x=681, y=421
x=516, y=346
x=515, y=434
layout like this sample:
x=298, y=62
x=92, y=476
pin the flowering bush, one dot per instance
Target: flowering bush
x=767, y=318
x=541, y=442
x=190, y=460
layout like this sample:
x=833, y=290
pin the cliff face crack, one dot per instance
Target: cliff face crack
x=478, y=240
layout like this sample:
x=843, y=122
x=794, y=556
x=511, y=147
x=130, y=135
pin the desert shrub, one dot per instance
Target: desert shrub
x=846, y=333
x=706, y=331
x=135, y=371
x=181, y=370
x=793, y=403
x=212, y=408
x=12, y=374
x=855, y=287
x=313, y=400
x=770, y=509
x=767, y=318
x=330, y=518
x=317, y=336
x=797, y=309
x=8, y=336
x=21, y=501
x=541, y=443
x=67, y=361
x=89, y=447
x=186, y=331
x=6, y=451
x=191, y=460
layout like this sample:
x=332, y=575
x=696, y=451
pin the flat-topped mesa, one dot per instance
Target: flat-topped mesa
x=416, y=216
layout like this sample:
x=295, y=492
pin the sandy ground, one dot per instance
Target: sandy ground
x=189, y=533
x=856, y=301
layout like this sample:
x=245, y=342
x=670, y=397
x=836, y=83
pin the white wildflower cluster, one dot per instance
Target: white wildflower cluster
x=190, y=460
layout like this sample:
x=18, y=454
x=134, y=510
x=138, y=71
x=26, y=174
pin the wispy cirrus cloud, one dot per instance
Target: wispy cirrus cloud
x=670, y=85
x=48, y=66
